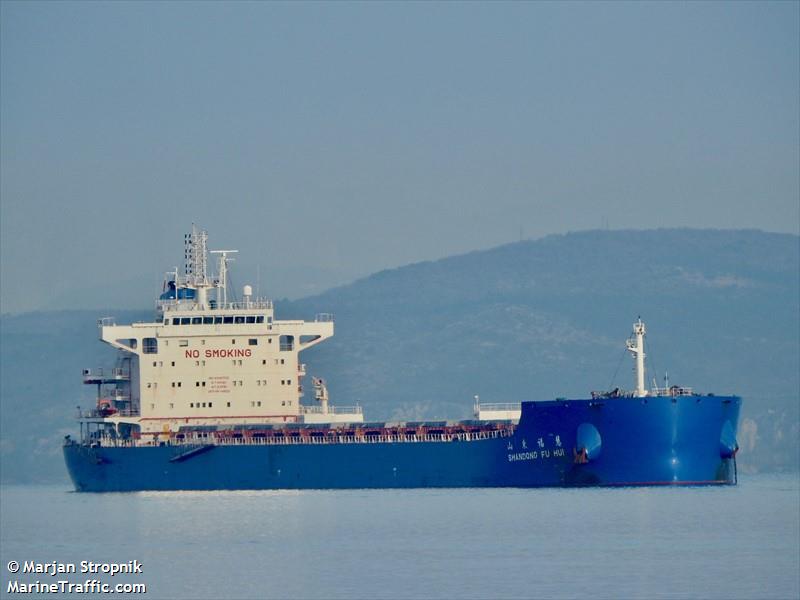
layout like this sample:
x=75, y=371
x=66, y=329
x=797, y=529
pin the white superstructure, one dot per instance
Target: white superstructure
x=206, y=360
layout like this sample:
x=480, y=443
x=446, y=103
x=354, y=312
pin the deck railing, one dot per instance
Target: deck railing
x=675, y=390
x=332, y=410
x=95, y=413
x=108, y=374
x=191, y=305
x=399, y=438
x=498, y=406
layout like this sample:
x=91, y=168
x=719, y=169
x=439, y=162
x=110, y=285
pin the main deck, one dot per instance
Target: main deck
x=466, y=431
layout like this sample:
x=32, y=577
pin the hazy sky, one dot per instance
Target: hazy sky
x=329, y=140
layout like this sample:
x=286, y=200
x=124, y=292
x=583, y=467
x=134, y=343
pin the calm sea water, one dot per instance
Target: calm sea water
x=736, y=542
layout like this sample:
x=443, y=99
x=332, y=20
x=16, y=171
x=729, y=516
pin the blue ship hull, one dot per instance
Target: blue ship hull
x=605, y=442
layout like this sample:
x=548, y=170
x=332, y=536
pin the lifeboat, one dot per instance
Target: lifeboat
x=104, y=407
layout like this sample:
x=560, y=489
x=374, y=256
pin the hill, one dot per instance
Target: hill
x=536, y=319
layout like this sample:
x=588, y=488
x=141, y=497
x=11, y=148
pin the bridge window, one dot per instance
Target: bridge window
x=150, y=346
x=260, y=319
x=185, y=320
x=197, y=320
x=208, y=320
x=253, y=342
x=239, y=320
x=217, y=320
x=287, y=343
x=227, y=320
x=251, y=319
x=176, y=321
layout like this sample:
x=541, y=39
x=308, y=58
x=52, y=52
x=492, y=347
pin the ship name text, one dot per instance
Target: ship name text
x=536, y=455
x=541, y=450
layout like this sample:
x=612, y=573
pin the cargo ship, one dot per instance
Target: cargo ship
x=210, y=396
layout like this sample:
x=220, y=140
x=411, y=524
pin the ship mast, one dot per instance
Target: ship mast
x=196, y=264
x=635, y=346
x=222, y=277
